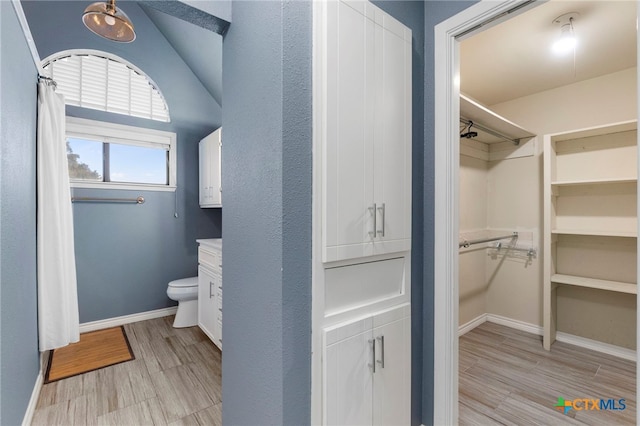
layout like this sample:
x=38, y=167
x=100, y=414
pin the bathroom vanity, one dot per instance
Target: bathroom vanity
x=210, y=289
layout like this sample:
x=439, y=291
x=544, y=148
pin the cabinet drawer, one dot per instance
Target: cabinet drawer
x=212, y=259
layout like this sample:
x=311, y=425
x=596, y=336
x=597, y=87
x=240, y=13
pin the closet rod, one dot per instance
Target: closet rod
x=531, y=252
x=466, y=243
x=490, y=131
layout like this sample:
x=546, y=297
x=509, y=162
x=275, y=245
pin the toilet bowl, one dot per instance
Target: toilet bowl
x=185, y=292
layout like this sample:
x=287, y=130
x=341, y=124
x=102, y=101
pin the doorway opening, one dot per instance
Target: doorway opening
x=451, y=82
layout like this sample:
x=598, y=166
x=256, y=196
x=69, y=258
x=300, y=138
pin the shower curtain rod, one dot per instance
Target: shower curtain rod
x=466, y=243
x=48, y=81
x=490, y=131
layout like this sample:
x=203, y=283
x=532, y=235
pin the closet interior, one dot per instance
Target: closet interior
x=548, y=150
x=498, y=243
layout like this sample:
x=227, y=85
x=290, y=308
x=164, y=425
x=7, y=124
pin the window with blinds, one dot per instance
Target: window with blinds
x=99, y=80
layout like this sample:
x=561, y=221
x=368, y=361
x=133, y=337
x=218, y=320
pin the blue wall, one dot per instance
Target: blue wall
x=18, y=306
x=267, y=232
x=126, y=254
x=434, y=13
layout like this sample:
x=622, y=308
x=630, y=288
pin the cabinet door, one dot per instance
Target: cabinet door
x=204, y=173
x=215, y=158
x=206, y=302
x=348, y=141
x=218, y=322
x=210, y=172
x=392, y=379
x=392, y=168
x=348, y=381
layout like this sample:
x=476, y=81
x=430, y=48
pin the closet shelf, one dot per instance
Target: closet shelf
x=617, y=286
x=594, y=181
x=595, y=233
x=472, y=110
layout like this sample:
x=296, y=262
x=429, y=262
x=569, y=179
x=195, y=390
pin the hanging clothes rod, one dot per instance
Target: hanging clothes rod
x=466, y=243
x=531, y=252
x=490, y=131
x=139, y=200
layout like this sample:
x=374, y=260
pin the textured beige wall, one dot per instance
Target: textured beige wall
x=473, y=217
x=514, y=287
x=598, y=315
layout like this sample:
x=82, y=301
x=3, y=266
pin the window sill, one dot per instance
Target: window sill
x=123, y=186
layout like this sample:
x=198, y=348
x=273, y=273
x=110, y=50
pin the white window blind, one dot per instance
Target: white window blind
x=102, y=81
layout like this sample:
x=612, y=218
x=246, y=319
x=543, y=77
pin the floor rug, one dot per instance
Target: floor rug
x=95, y=350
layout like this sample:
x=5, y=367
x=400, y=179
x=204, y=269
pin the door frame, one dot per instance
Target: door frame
x=448, y=34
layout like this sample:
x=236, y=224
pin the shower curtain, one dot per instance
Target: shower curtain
x=58, y=318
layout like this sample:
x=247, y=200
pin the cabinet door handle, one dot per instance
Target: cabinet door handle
x=381, y=360
x=373, y=354
x=210, y=287
x=381, y=209
x=372, y=234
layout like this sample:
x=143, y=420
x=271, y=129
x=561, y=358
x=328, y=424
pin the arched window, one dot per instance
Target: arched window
x=106, y=82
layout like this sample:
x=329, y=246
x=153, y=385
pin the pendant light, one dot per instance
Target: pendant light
x=108, y=22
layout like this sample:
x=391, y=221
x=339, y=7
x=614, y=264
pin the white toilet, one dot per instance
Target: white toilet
x=185, y=292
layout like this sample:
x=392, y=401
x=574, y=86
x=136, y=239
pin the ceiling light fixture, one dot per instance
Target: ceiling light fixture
x=108, y=22
x=567, y=41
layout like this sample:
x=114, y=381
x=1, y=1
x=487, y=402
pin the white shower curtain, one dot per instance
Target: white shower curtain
x=58, y=318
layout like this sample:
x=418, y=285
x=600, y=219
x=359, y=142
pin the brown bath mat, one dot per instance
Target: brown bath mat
x=95, y=350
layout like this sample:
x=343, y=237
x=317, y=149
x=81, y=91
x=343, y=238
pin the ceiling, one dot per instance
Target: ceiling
x=514, y=59
x=188, y=40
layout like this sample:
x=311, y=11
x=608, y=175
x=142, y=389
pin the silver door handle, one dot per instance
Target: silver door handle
x=210, y=292
x=373, y=355
x=383, y=219
x=372, y=234
x=381, y=360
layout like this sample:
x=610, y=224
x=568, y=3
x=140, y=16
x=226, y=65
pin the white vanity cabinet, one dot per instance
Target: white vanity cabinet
x=210, y=151
x=210, y=289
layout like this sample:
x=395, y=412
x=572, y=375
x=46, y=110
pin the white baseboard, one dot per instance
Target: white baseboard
x=594, y=345
x=465, y=328
x=127, y=319
x=571, y=339
x=31, y=408
x=515, y=324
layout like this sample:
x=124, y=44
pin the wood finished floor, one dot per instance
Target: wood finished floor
x=506, y=377
x=175, y=380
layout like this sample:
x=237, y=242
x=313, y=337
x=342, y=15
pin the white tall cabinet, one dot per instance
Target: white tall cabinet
x=367, y=151
x=210, y=177
x=362, y=215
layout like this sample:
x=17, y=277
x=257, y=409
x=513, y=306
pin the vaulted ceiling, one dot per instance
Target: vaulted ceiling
x=199, y=48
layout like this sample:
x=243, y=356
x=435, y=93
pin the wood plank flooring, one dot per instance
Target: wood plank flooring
x=506, y=377
x=176, y=379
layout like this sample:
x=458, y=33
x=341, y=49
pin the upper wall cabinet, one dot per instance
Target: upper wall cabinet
x=210, y=170
x=366, y=132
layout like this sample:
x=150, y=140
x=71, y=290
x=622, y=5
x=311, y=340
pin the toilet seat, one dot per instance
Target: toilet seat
x=184, y=282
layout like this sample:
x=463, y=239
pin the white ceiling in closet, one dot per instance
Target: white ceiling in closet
x=514, y=59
